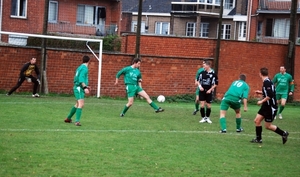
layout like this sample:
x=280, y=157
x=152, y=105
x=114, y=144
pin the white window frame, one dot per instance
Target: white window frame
x=17, y=10
x=134, y=26
x=204, y=30
x=225, y=34
x=87, y=15
x=242, y=31
x=160, y=26
x=190, y=29
x=53, y=12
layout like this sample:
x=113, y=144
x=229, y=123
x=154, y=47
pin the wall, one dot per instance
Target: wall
x=169, y=65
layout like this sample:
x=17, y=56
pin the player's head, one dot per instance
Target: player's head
x=206, y=64
x=243, y=77
x=33, y=60
x=136, y=62
x=264, y=71
x=85, y=59
x=282, y=69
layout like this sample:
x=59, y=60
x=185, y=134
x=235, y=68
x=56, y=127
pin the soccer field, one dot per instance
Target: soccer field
x=35, y=141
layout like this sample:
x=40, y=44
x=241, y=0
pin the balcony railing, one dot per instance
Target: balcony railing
x=275, y=5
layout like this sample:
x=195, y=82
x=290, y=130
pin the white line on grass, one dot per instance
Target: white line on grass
x=137, y=131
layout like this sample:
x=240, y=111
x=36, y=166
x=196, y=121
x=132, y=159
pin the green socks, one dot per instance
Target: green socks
x=72, y=112
x=238, y=122
x=223, y=123
x=78, y=114
x=125, y=109
x=197, y=106
x=153, y=105
x=280, y=109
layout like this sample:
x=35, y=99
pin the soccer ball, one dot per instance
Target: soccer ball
x=161, y=98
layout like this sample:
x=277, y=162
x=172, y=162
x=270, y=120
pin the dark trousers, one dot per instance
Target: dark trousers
x=21, y=80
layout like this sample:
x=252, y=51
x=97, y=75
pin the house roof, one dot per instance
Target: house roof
x=150, y=6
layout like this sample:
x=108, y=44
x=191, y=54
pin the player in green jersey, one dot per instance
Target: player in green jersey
x=80, y=88
x=237, y=91
x=284, y=85
x=132, y=80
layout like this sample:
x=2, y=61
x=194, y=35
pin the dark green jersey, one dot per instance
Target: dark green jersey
x=283, y=83
x=238, y=90
x=131, y=75
x=81, y=75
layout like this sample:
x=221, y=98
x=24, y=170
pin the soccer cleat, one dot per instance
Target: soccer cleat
x=35, y=95
x=68, y=120
x=256, y=141
x=159, y=110
x=280, y=116
x=223, y=131
x=7, y=94
x=285, y=137
x=239, y=130
x=195, y=112
x=77, y=124
x=208, y=120
x=202, y=120
x=122, y=115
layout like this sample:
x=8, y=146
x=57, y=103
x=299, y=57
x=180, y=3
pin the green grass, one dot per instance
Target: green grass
x=34, y=141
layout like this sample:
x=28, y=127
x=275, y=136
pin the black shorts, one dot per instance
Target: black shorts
x=203, y=96
x=268, y=112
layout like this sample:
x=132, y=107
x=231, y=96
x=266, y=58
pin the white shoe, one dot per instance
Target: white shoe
x=202, y=120
x=274, y=117
x=208, y=120
x=35, y=95
x=280, y=116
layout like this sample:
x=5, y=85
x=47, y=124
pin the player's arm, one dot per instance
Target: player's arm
x=118, y=75
x=292, y=87
x=245, y=101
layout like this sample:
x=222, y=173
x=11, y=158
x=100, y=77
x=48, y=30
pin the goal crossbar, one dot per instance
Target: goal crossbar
x=99, y=58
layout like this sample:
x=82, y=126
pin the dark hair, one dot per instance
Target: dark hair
x=207, y=62
x=85, y=59
x=243, y=77
x=264, y=71
x=136, y=60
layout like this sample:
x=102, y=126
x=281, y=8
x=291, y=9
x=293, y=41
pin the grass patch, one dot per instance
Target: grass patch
x=34, y=140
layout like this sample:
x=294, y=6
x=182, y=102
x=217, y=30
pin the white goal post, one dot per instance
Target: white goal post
x=87, y=40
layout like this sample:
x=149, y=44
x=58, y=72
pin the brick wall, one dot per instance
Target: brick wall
x=169, y=65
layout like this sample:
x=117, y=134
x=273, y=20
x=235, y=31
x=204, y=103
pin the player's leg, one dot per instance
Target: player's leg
x=202, y=106
x=151, y=103
x=208, y=101
x=131, y=92
x=76, y=91
x=79, y=104
x=258, y=128
x=236, y=106
x=19, y=83
x=35, y=86
x=282, y=104
x=197, y=102
x=223, y=109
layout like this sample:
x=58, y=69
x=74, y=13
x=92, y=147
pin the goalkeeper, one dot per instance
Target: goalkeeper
x=26, y=73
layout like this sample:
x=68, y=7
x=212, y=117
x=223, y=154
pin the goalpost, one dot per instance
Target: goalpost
x=87, y=40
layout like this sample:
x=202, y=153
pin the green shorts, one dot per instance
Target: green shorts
x=78, y=92
x=281, y=96
x=133, y=90
x=225, y=104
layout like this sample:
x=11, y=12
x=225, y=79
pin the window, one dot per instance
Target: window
x=204, y=29
x=90, y=15
x=242, y=30
x=18, y=8
x=228, y=4
x=282, y=28
x=278, y=28
x=225, y=31
x=190, y=29
x=134, y=27
x=53, y=9
x=162, y=28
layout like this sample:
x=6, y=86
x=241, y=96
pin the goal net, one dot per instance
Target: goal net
x=35, y=40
